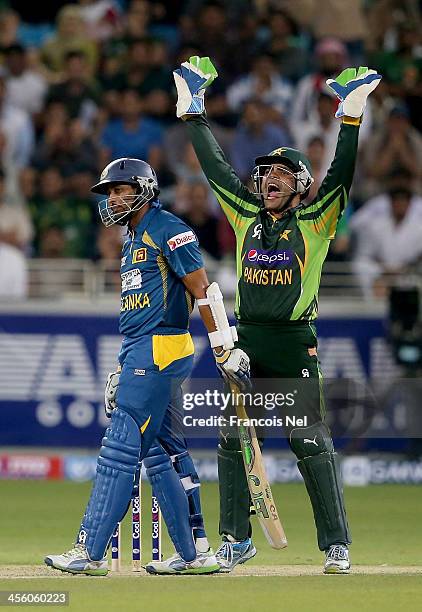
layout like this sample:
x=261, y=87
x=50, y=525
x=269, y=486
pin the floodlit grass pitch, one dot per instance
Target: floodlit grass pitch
x=43, y=517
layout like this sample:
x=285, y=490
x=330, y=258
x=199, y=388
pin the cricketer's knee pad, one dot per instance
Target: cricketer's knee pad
x=189, y=478
x=173, y=500
x=312, y=440
x=319, y=466
x=234, y=494
x=112, y=488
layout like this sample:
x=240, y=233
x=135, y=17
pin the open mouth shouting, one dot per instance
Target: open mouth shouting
x=273, y=191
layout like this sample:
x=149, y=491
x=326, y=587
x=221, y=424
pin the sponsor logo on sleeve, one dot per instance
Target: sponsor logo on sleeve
x=139, y=255
x=132, y=279
x=181, y=239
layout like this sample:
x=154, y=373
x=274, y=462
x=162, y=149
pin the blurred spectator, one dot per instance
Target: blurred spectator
x=132, y=134
x=108, y=254
x=15, y=223
x=344, y=20
x=9, y=24
x=73, y=217
x=402, y=68
x=207, y=28
x=290, y=57
x=187, y=166
x=264, y=83
x=395, y=146
x=52, y=134
x=381, y=103
x=28, y=178
x=69, y=148
x=157, y=89
x=16, y=138
x=246, y=44
x=52, y=243
x=322, y=124
x=135, y=26
x=382, y=17
x=101, y=17
x=315, y=152
x=199, y=217
x=331, y=57
x=13, y=272
x=26, y=88
x=109, y=243
x=77, y=91
x=340, y=247
x=15, y=232
x=146, y=70
x=70, y=36
x=254, y=136
x=388, y=239
x=184, y=168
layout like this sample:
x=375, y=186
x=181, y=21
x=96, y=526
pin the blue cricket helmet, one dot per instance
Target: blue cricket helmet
x=125, y=170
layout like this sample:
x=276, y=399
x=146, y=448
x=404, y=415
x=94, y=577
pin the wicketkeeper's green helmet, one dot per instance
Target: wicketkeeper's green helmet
x=296, y=161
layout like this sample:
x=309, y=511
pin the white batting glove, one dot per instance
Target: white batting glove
x=110, y=392
x=234, y=366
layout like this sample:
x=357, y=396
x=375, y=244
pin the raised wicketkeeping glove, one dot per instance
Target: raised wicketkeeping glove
x=353, y=86
x=233, y=366
x=191, y=79
x=110, y=392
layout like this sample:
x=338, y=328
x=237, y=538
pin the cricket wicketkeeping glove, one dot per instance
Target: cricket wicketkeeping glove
x=352, y=87
x=191, y=79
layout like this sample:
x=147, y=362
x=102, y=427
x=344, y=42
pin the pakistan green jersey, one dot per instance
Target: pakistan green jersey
x=279, y=261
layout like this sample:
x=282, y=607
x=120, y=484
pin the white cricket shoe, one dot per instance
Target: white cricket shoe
x=337, y=560
x=76, y=561
x=205, y=563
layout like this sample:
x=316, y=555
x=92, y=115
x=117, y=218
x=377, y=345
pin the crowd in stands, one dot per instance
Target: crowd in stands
x=95, y=83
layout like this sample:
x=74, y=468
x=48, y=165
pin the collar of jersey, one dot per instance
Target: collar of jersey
x=146, y=219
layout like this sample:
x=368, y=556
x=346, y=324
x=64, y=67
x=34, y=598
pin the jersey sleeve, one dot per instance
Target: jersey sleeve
x=181, y=249
x=324, y=212
x=238, y=203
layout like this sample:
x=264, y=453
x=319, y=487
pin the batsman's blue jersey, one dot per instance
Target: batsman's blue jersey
x=156, y=255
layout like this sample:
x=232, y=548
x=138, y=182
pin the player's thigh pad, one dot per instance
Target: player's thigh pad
x=112, y=488
x=172, y=498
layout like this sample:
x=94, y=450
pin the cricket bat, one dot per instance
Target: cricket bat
x=258, y=484
x=259, y=487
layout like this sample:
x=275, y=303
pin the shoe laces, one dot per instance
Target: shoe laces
x=338, y=552
x=225, y=551
x=76, y=551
